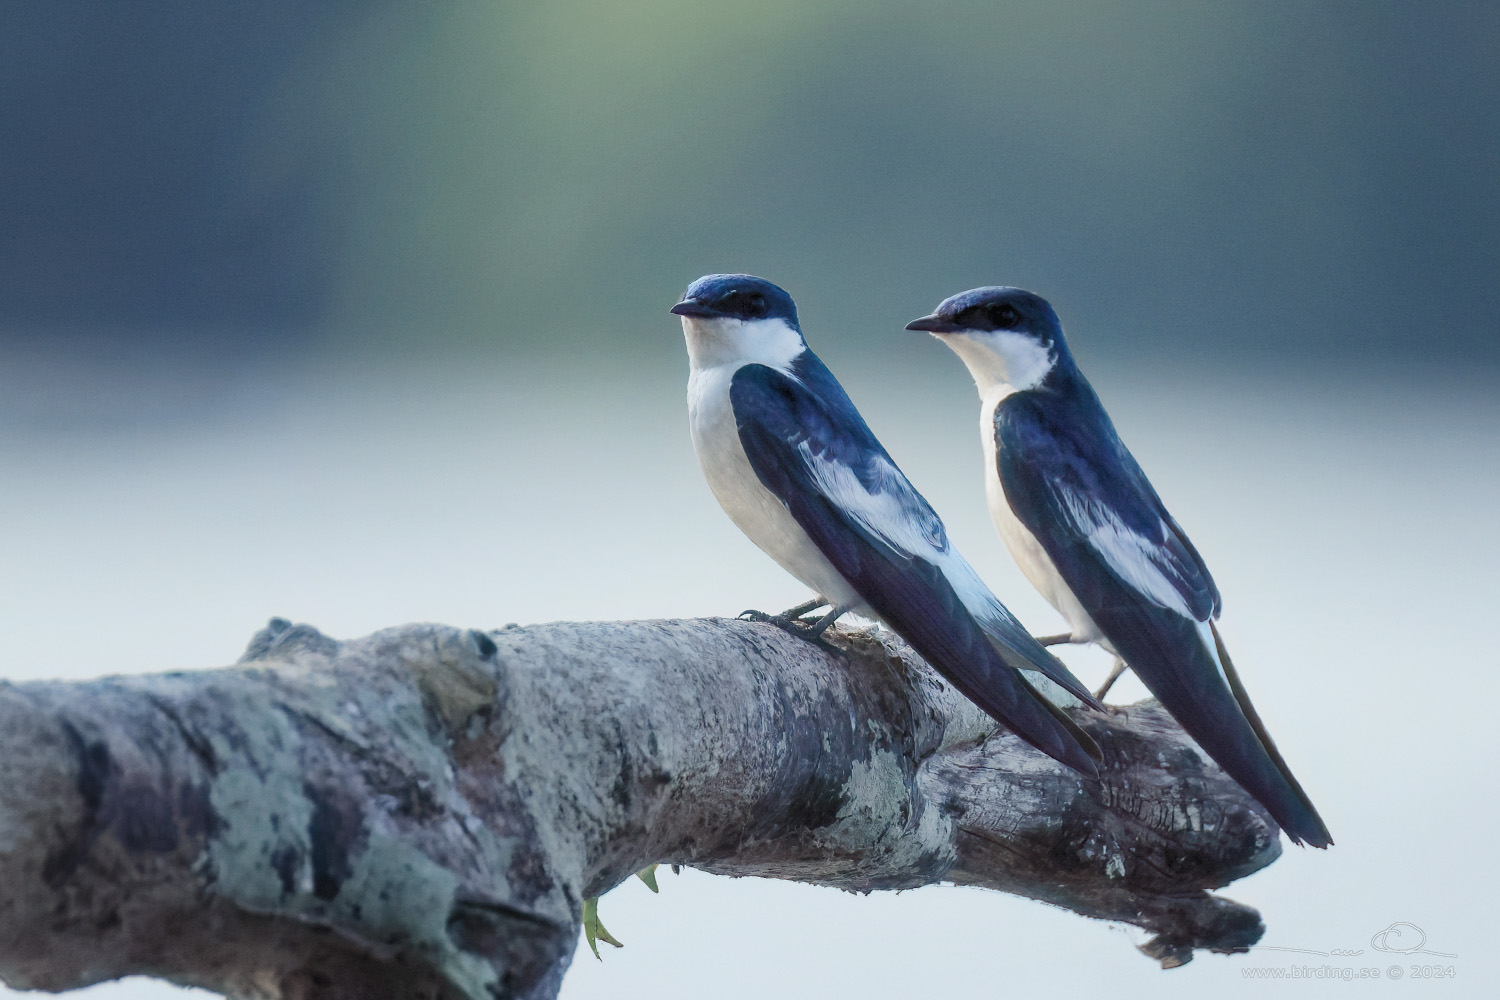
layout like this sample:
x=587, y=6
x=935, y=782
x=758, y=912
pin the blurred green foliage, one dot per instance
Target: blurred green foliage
x=1205, y=179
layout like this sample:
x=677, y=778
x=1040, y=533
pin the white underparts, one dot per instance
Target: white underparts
x=1024, y=547
x=1001, y=358
x=717, y=349
x=1127, y=553
x=735, y=342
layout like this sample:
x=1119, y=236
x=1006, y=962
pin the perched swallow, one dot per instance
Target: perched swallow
x=1090, y=533
x=793, y=464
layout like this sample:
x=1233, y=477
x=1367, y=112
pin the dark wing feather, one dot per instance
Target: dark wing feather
x=788, y=433
x=845, y=439
x=1143, y=584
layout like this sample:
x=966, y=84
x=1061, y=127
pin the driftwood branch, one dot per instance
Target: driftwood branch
x=422, y=812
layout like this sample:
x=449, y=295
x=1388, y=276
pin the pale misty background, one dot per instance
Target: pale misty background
x=356, y=313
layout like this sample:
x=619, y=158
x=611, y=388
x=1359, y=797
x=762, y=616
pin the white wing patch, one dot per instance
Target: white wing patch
x=1135, y=558
x=886, y=513
x=882, y=512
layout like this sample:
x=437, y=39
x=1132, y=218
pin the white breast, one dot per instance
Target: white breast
x=754, y=509
x=1023, y=545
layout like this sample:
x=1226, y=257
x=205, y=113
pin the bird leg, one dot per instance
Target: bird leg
x=1109, y=681
x=820, y=626
x=793, y=614
x=1055, y=640
x=817, y=601
x=802, y=629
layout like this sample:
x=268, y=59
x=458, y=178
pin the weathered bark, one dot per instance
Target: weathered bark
x=421, y=813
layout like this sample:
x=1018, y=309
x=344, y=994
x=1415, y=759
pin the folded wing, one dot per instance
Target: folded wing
x=1139, y=578
x=813, y=451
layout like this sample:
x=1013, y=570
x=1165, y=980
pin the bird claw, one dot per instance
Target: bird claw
x=799, y=627
x=1109, y=681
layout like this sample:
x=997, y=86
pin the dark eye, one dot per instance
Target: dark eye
x=1004, y=316
x=755, y=306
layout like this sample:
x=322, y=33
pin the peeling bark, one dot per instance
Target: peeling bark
x=421, y=813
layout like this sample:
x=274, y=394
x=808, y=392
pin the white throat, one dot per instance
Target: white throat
x=1002, y=359
x=736, y=342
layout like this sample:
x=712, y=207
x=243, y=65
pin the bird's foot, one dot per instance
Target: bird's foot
x=801, y=610
x=1109, y=681
x=1055, y=640
x=800, y=627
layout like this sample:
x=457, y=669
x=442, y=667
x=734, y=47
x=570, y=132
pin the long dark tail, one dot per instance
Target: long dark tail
x=1318, y=835
x=982, y=675
x=1169, y=654
x=1018, y=647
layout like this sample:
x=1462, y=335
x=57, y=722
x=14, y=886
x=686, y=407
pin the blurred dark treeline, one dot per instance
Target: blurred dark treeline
x=1245, y=180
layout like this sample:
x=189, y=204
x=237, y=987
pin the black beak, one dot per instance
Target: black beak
x=692, y=307
x=932, y=324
